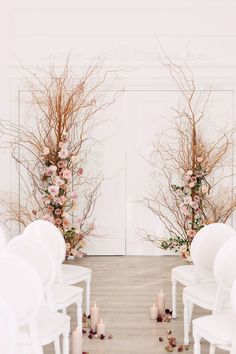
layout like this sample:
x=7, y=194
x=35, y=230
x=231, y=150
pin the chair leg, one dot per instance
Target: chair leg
x=197, y=344
x=186, y=322
x=212, y=349
x=174, y=309
x=57, y=347
x=190, y=314
x=88, y=281
x=66, y=340
x=79, y=314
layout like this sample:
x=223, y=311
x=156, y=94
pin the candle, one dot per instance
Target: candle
x=153, y=312
x=101, y=328
x=77, y=342
x=161, y=299
x=94, y=315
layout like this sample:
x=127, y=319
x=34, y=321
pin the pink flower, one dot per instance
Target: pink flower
x=58, y=181
x=205, y=189
x=63, y=154
x=193, y=179
x=74, y=195
x=58, y=221
x=48, y=217
x=179, y=192
x=191, y=185
x=197, y=198
x=187, y=200
x=199, y=159
x=187, y=177
x=51, y=169
x=184, y=210
x=53, y=190
x=66, y=222
x=194, y=205
x=57, y=211
x=191, y=233
x=61, y=164
x=67, y=174
x=199, y=174
x=80, y=171
x=49, y=208
x=189, y=172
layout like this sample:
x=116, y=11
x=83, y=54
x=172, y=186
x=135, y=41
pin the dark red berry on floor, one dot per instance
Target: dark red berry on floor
x=110, y=336
x=102, y=336
x=161, y=339
x=90, y=336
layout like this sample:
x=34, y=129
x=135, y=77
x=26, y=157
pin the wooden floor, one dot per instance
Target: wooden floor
x=124, y=288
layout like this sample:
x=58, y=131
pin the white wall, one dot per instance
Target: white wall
x=124, y=32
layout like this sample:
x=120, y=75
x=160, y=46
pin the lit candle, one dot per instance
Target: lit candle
x=161, y=300
x=101, y=328
x=94, y=315
x=153, y=312
x=76, y=342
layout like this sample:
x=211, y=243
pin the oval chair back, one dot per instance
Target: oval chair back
x=21, y=287
x=8, y=329
x=3, y=238
x=207, y=243
x=37, y=255
x=47, y=234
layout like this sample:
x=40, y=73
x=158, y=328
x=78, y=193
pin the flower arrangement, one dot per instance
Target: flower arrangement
x=200, y=196
x=55, y=146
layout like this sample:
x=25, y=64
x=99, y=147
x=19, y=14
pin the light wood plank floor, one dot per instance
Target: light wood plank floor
x=124, y=288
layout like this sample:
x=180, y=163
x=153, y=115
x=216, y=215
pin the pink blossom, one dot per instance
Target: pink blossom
x=48, y=217
x=194, y=205
x=191, y=185
x=199, y=159
x=187, y=200
x=74, y=195
x=80, y=171
x=53, y=190
x=197, y=198
x=66, y=222
x=67, y=174
x=57, y=211
x=193, y=179
x=63, y=154
x=58, y=221
x=187, y=177
x=191, y=233
x=61, y=164
x=179, y=192
x=189, y=172
x=58, y=181
x=49, y=208
x=51, y=169
x=205, y=189
x=184, y=210
x=199, y=174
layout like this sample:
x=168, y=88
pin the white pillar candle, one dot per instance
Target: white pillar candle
x=94, y=316
x=161, y=303
x=77, y=342
x=153, y=312
x=101, y=328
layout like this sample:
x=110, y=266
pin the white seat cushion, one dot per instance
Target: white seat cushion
x=65, y=294
x=72, y=274
x=50, y=324
x=202, y=294
x=218, y=328
x=183, y=274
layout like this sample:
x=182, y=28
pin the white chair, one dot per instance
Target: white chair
x=64, y=295
x=22, y=289
x=3, y=238
x=219, y=329
x=8, y=329
x=186, y=274
x=203, y=256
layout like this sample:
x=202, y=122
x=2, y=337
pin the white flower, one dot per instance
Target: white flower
x=189, y=172
x=63, y=154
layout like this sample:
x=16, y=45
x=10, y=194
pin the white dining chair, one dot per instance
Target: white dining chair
x=219, y=329
x=22, y=289
x=186, y=274
x=64, y=295
x=201, y=293
x=8, y=329
x=3, y=238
